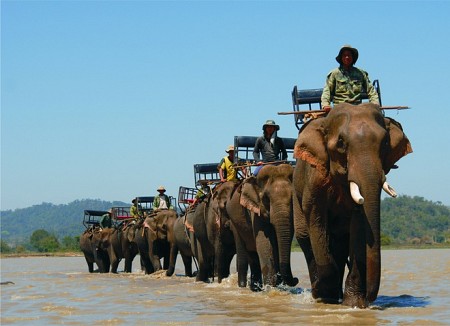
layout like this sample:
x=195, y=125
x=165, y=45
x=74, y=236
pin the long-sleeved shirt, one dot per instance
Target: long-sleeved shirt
x=346, y=86
x=269, y=152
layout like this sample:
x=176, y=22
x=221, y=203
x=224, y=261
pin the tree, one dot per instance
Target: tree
x=5, y=248
x=44, y=241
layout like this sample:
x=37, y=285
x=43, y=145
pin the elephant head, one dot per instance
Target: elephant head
x=350, y=152
x=269, y=197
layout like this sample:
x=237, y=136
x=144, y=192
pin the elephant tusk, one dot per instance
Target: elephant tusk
x=356, y=195
x=389, y=190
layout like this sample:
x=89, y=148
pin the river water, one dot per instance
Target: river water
x=415, y=290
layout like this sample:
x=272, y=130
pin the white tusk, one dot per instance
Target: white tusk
x=389, y=190
x=356, y=195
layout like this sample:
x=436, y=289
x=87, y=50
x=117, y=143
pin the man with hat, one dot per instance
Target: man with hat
x=161, y=201
x=134, y=210
x=270, y=146
x=345, y=83
x=106, y=220
x=227, y=172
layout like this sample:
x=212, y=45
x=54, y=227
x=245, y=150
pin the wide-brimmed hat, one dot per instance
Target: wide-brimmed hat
x=350, y=48
x=161, y=188
x=270, y=123
x=229, y=148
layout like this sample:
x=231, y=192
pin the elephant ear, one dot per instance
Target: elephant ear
x=311, y=146
x=249, y=195
x=399, y=144
x=131, y=233
x=223, y=193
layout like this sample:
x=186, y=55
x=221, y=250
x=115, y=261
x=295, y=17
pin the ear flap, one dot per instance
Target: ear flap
x=310, y=145
x=222, y=194
x=249, y=195
x=399, y=145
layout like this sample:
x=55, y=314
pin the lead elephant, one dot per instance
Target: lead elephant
x=262, y=222
x=342, y=162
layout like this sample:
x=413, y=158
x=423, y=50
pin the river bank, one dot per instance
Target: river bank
x=294, y=249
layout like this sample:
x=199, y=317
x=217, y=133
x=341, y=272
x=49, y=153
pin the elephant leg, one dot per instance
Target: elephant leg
x=255, y=272
x=90, y=266
x=328, y=288
x=187, y=262
x=203, y=268
x=241, y=258
x=114, y=263
x=265, y=251
x=173, y=259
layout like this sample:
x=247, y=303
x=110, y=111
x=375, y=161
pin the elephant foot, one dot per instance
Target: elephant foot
x=326, y=296
x=353, y=301
x=170, y=271
x=256, y=287
x=328, y=300
x=293, y=281
x=194, y=274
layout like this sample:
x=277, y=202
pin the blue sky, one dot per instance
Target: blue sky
x=110, y=99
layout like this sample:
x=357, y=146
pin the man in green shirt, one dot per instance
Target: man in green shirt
x=162, y=201
x=106, y=220
x=345, y=84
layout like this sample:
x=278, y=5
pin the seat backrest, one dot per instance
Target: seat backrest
x=244, y=146
x=310, y=99
x=206, y=172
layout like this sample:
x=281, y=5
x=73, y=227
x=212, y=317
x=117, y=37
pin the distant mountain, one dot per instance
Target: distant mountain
x=61, y=220
x=404, y=219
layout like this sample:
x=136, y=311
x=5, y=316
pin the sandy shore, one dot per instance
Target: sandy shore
x=42, y=254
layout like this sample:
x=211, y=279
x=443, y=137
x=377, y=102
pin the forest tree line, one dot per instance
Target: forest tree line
x=49, y=228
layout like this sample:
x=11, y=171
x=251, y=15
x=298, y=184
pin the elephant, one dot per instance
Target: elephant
x=118, y=243
x=262, y=223
x=341, y=167
x=214, y=244
x=153, y=242
x=180, y=236
x=91, y=253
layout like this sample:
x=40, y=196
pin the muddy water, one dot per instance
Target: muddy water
x=415, y=290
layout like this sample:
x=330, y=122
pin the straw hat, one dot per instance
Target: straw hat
x=230, y=148
x=161, y=188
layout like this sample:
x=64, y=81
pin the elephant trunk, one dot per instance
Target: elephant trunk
x=370, y=218
x=283, y=224
x=367, y=245
x=373, y=255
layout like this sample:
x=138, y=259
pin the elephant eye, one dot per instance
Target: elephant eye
x=340, y=145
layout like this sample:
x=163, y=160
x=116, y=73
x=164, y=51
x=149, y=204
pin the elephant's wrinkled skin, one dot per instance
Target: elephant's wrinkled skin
x=117, y=242
x=353, y=145
x=214, y=245
x=153, y=242
x=179, y=234
x=92, y=253
x=262, y=222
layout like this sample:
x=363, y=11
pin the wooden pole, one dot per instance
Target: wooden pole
x=319, y=111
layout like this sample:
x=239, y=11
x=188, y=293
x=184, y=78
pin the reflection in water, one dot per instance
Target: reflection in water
x=52, y=290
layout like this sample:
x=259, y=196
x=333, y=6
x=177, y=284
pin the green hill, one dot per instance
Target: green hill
x=61, y=220
x=403, y=220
